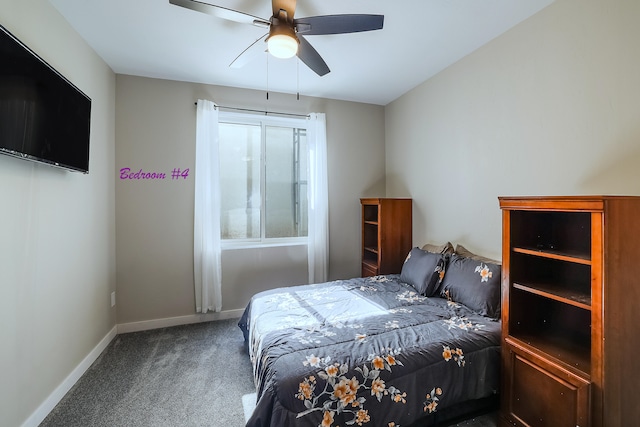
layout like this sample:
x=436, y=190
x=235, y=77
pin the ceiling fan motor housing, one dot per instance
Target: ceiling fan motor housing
x=282, y=41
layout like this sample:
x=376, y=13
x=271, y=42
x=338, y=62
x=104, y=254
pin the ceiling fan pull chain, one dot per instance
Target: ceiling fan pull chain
x=267, y=77
x=298, y=79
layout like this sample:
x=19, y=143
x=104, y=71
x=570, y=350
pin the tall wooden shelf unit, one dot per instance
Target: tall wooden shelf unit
x=570, y=313
x=386, y=235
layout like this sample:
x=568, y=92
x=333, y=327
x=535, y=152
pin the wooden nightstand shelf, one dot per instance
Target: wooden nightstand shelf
x=386, y=235
x=571, y=267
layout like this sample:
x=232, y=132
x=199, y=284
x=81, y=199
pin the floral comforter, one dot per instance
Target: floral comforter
x=366, y=351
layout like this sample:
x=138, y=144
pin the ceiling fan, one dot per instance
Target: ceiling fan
x=286, y=33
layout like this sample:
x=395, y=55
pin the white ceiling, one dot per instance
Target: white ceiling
x=153, y=38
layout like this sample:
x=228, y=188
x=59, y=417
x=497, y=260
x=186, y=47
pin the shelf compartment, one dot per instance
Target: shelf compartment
x=370, y=257
x=370, y=236
x=370, y=214
x=561, y=331
x=554, y=278
x=554, y=232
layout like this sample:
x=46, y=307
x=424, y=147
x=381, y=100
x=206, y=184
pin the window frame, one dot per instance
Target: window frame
x=263, y=121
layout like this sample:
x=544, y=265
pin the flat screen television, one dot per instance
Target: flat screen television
x=43, y=116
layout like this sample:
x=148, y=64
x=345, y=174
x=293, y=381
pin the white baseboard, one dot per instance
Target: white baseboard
x=54, y=398
x=144, y=325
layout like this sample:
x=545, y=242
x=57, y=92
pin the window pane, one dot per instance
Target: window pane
x=286, y=174
x=240, y=181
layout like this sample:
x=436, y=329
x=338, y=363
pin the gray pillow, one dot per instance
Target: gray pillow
x=474, y=283
x=423, y=270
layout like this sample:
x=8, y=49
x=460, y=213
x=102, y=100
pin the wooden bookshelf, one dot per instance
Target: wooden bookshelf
x=570, y=281
x=386, y=235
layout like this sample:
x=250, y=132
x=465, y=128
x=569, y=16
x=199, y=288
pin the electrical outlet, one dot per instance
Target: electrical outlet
x=113, y=298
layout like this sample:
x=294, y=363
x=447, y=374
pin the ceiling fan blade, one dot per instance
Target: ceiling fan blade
x=249, y=53
x=288, y=5
x=311, y=57
x=221, y=12
x=338, y=24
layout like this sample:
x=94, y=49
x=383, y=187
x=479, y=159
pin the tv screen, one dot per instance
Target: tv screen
x=43, y=116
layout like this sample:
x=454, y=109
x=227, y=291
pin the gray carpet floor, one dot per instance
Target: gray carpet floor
x=192, y=375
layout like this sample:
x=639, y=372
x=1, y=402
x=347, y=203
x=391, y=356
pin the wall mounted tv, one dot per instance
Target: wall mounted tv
x=43, y=116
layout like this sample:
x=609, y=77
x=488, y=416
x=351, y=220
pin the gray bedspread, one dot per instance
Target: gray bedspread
x=365, y=351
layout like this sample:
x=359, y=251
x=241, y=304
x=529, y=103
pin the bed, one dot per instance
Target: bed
x=419, y=346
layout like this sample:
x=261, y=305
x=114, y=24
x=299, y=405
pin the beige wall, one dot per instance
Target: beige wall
x=550, y=107
x=155, y=131
x=57, y=233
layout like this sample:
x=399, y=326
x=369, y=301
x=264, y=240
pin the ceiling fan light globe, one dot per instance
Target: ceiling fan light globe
x=282, y=46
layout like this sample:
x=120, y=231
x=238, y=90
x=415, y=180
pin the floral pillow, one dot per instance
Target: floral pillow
x=423, y=270
x=474, y=283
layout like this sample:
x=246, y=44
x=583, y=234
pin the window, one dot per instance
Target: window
x=264, y=170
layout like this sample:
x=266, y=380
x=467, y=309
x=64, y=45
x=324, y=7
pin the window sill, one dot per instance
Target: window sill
x=227, y=246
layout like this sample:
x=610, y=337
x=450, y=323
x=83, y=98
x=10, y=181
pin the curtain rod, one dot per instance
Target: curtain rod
x=260, y=111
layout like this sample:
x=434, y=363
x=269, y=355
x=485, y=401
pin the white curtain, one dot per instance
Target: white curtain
x=206, y=225
x=318, y=247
